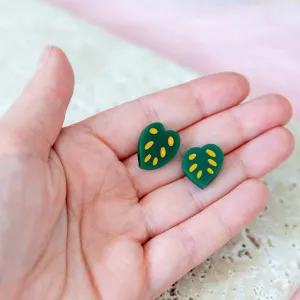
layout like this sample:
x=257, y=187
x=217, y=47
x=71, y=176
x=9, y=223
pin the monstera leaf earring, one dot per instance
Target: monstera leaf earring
x=157, y=146
x=202, y=165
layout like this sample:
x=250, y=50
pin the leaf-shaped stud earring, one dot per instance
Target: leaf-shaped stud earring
x=202, y=165
x=157, y=146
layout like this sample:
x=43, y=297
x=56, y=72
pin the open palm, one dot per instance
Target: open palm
x=80, y=220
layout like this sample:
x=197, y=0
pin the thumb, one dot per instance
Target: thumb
x=36, y=118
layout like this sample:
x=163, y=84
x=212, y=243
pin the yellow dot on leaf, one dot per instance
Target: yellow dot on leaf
x=192, y=156
x=199, y=174
x=163, y=152
x=211, y=153
x=153, y=131
x=212, y=162
x=149, y=145
x=170, y=141
x=155, y=161
x=210, y=171
x=147, y=158
x=193, y=167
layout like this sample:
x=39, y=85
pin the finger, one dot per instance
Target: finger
x=228, y=129
x=176, y=108
x=180, y=200
x=187, y=245
x=296, y=296
x=37, y=116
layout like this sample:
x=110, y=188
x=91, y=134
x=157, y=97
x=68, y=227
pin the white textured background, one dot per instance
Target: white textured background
x=263, y=261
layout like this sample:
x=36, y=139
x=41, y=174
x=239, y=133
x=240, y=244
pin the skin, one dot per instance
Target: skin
x=296, y=296
x=80, y=220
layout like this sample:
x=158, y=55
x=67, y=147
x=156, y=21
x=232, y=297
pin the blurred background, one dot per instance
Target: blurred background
x=121, y=50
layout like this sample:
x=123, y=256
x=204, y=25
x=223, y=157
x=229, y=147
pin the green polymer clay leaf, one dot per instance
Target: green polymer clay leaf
x=202, y=165
x=157, y=146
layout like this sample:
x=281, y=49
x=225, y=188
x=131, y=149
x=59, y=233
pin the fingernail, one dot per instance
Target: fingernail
x=44, y=57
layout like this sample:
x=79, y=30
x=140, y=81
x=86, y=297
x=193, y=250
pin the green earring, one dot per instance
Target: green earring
x=202, y=165
x=157, y=146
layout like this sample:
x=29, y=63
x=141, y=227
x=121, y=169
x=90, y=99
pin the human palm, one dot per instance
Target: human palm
x=80, y=220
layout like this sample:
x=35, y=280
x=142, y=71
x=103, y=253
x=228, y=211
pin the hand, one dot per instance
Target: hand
x=80, y=220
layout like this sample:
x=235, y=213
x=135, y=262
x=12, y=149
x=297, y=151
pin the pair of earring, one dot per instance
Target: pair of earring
x=158, y=146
